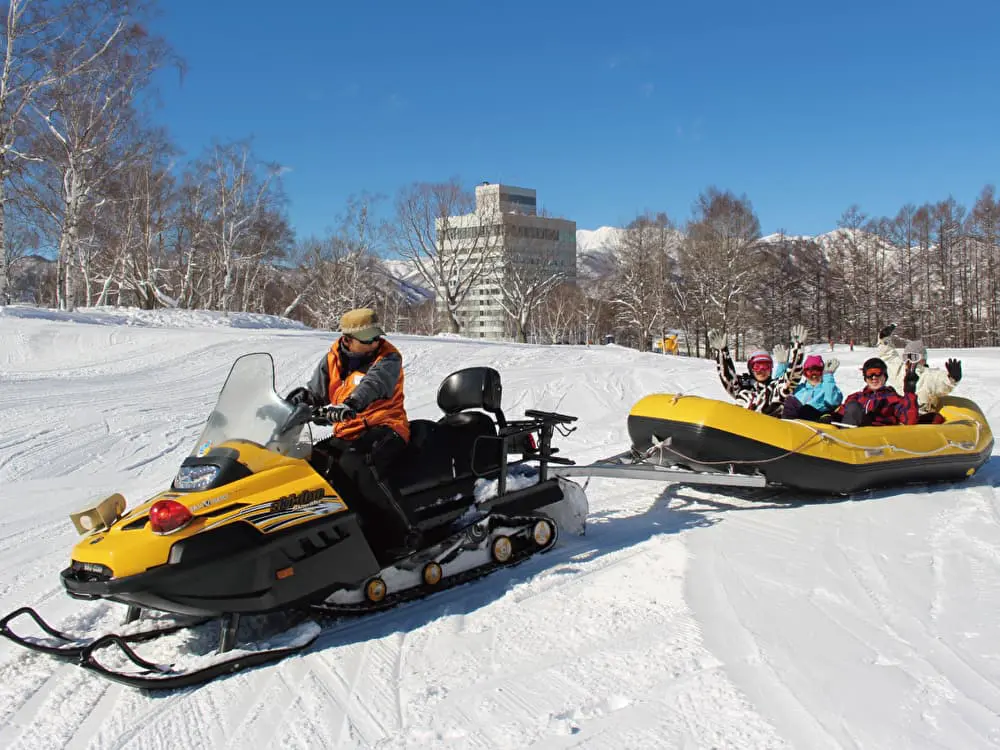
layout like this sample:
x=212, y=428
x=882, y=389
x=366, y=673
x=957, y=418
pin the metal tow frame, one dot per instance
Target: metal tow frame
x=629, y=465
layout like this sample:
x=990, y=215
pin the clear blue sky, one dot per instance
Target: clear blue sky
x=607, y=109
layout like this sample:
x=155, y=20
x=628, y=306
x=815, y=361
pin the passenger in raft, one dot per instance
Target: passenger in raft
x=759, y=391
x=878, y=403
x=817, y=397
x=933, y=383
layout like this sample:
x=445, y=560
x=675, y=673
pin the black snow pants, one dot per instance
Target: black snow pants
x=358, y=469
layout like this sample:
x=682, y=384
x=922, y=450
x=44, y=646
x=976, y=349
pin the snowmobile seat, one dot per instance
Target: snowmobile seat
x=427, y=461
x=472, y=436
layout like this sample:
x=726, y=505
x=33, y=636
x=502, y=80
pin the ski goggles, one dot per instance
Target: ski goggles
x=913, y=357
x=761, y=365
x=869, y=374
x=813, y=371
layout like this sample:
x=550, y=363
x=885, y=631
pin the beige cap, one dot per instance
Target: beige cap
x=362, y=324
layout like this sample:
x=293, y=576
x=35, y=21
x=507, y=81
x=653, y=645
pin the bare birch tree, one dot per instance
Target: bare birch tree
x=92, y=124
x=449, y=239
x=47, y=43
x=232, y=198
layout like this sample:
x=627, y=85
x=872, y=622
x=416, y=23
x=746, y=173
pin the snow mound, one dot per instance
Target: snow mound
x=132, y=316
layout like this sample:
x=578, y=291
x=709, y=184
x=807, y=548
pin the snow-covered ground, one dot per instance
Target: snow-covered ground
x=684, y=618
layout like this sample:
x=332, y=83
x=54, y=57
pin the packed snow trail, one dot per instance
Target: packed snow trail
x=684, y=618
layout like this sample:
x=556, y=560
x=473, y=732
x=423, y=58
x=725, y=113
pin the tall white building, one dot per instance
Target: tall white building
x=520, y=245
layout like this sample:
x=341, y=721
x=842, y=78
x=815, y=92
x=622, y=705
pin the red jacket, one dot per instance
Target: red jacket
x=885, y=405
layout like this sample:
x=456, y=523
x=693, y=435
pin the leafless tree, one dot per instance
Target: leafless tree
x=526, y=271
x=451, y=241
x=46, y=44
x=559, y=317
x=643, y=276
x=234, y=219
x=720, y=258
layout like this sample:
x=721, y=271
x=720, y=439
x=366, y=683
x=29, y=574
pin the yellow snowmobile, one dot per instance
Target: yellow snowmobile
x=251, y=524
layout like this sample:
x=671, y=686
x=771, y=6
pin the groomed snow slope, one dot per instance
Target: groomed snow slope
x=685, y=618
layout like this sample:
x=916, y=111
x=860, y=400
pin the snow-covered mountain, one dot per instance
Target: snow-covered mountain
x=408, y=281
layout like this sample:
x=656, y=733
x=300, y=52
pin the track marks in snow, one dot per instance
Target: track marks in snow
x=884, y=591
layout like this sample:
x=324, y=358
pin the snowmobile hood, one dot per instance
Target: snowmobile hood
x=276, y=494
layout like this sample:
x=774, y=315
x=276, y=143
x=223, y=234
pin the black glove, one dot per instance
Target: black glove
x=887, y=331
x=910, y=381
x=954, y=368
x=300, y=396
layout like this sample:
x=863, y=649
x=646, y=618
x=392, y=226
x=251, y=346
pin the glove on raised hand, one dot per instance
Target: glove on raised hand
x=338, y=412
x=910, y=381
x=887, y=331
x=717, y=340
x=799, y=333
x=780, y=353
x=954, y=368
x=831, y=366
x=299, y=396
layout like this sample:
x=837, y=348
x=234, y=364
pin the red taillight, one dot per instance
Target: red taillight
x=168, y=515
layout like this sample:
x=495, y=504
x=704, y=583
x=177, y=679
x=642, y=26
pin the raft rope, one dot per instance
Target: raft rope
x=881, y=449
x=660, y=445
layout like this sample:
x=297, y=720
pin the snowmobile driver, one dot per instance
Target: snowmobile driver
x=360, y=384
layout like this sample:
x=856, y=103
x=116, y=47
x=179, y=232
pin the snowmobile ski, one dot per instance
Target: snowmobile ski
x=153, y=676
x=64, y=645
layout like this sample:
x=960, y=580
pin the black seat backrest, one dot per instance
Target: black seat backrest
x=472, y=388
x=473, y=435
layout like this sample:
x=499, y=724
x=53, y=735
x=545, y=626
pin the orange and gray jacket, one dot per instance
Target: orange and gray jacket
x=374, y=390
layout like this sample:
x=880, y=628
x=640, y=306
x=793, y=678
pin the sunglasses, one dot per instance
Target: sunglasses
x=874, y=374
x=348, y=338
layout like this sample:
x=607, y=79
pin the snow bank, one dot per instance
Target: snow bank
x=165, y=318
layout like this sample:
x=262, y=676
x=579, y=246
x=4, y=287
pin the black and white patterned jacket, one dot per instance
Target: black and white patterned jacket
x=767, y=397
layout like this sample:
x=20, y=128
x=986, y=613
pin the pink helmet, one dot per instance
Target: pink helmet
x=813, y=360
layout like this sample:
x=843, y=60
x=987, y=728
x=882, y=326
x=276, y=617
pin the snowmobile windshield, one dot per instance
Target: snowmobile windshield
x=249, y=409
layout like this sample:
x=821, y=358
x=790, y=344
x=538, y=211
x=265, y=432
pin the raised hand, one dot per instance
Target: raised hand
x=717, y=340
x=799, y=333
x=831, y=366
x=780, y=353
x=954, y=368
x=887, y=331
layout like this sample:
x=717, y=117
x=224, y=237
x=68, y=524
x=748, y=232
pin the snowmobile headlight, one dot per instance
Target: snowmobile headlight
x=196, y=477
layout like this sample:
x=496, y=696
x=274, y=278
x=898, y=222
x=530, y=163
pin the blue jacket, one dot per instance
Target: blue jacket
x=824, y=397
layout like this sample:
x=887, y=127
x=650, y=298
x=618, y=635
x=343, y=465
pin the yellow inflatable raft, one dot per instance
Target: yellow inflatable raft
x=709, y=435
